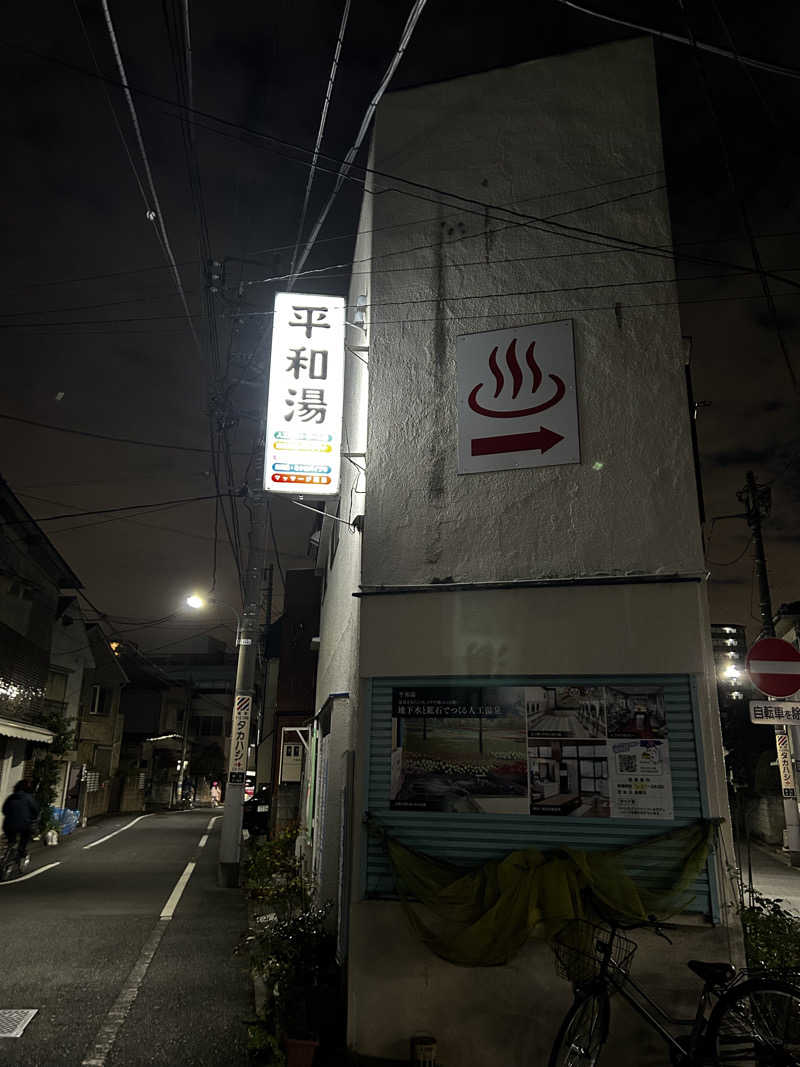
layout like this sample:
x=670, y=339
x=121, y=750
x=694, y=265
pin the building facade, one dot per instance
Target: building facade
x=514, y=612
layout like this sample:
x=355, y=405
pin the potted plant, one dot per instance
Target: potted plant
x=296, y=958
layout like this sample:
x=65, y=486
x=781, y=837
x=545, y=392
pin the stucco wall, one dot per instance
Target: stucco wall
x=551, y=137
x=337, y=664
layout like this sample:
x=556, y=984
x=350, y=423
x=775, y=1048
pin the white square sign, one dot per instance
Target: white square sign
x=517, y=404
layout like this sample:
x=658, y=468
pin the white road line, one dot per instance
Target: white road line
x=177, y=892
x=25, y=877
x=118, y=1012
x=126, y=827
x=212, y=821
x=203, y=839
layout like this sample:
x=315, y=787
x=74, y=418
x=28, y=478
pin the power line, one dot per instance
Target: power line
x=741, y=205
x=353, y=233
x=571, y=310
x=161, y=228
x=577, y=233
x=326, y=103
x=770, y=68
x=107, y=437
x=408, y=30
x=109, y=511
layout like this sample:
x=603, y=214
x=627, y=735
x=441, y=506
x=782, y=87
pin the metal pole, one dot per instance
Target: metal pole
x=187, y=709
x=231, y=838
x=755, y=501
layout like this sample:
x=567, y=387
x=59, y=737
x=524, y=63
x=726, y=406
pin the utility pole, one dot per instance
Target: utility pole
x=187, y=710
x=266, y=713
x=247, y=640
x=756, y=499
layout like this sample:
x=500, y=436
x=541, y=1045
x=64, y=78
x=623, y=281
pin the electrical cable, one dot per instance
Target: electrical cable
x=108, y=511
x=416, y=10
x=106, y=437
x=321, y=130
x=161, y=229
x=730, y=563
x=274, y=539
x=353, y=233
x=741, y=205
x=577, y=233
x=757, y=64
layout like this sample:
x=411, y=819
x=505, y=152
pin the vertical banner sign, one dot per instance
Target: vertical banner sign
x=306, y=384
x=240, y=738
x=785, y=762
x=517, y=405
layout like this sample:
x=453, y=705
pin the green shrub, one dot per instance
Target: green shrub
x=273, y=876
x=771, y=935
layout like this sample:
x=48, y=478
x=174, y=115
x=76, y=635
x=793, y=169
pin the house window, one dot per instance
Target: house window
x=99, y=700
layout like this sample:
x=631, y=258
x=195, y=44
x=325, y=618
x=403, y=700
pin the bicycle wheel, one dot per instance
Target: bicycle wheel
x=757, y=1024
x=583, y=1032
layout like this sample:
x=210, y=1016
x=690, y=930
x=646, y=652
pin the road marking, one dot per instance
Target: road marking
x=177, y=892
x=203, y=840
x=118, y=1012
x=127, y=827
x=212, y=821
x=25, y=877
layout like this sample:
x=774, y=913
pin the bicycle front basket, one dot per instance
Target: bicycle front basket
x=580, y=948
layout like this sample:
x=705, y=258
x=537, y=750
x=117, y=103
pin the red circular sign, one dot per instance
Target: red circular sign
x=774, y=667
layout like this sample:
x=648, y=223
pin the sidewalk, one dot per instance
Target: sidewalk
x=773, y=877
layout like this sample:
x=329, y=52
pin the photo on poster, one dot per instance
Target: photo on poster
x=636, y=711
x=459, y=748
x=568, y=777
x=640, y=778
x=574, y=711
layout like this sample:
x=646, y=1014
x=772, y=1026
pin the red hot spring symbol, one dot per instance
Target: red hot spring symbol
x=543, y=439
x=516, y=378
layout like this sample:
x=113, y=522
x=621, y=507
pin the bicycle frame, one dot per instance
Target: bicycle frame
x=622, y=983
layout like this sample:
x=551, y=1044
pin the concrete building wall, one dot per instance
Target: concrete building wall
x=337, y=662
x=550, y=138
x=524, y=137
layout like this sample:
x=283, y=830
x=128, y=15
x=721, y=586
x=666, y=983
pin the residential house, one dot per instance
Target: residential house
x=34, y=622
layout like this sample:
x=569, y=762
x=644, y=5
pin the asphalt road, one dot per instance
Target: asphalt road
x=90, y=943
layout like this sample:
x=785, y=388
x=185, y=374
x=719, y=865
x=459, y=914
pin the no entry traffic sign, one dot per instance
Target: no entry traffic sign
x=774, y=667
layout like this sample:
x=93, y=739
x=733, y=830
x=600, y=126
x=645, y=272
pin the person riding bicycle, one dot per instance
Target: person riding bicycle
x=20, y=812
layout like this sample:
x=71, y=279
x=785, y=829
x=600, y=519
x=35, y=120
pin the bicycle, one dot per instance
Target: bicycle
x=752, y=1020
x=13, y=861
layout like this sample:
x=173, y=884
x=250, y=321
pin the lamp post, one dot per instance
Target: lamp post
x=248, y=627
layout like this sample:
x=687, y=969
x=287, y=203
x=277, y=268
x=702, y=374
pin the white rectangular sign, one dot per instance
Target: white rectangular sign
x=770, y=712
x=306, y=384
x=517, y=403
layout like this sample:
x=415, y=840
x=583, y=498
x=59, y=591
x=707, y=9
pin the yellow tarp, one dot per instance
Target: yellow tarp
x=483, y=916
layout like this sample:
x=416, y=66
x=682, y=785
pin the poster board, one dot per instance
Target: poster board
x=599, y=751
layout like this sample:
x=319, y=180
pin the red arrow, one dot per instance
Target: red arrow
x=541, y=441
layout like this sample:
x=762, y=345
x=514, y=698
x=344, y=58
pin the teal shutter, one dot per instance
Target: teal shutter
x=469, y=839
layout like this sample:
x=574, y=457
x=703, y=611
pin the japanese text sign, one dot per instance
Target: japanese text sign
x=517, y=405
x=306, y=384
x=240, y=736
x=770, y=712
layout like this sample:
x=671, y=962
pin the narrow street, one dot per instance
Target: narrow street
x=124, y=967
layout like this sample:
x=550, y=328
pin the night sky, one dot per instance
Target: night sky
x=96, y=338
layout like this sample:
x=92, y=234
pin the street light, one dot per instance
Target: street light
x=198, y=602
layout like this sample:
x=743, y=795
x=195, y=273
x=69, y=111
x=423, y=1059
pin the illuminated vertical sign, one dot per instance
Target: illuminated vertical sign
x=306, y=383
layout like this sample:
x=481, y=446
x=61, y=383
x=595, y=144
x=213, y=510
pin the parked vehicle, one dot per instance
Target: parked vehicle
x=256, y=812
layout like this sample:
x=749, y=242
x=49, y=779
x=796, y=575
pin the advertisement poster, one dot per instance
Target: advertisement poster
x=459, y=749
x=581, y=751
